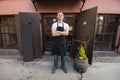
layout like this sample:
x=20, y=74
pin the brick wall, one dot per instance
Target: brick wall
x=10, y=7
x=104, y=6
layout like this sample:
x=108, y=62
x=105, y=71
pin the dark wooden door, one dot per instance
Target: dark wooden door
x=29, y=36
x=85, y=28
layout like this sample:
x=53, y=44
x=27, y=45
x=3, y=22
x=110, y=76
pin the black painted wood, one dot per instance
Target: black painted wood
x=27, y=44
x=30, y=20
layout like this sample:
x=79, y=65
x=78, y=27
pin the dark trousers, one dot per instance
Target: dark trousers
x=56, y=61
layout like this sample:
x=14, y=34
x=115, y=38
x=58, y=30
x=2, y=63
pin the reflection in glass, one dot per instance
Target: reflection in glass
x=105, y=32
x=8, y=37
x=101, y=18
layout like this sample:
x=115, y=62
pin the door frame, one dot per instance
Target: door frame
x=46, y=15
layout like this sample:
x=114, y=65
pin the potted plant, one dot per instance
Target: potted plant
x=81, y=60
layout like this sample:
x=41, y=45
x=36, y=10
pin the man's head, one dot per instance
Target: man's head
x=60, y=16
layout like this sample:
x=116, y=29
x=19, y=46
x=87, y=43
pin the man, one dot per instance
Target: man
x=59, y=29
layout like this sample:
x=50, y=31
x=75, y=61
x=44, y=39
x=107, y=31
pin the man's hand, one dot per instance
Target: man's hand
x=64, y=33
x=55, y=33
x=60, y=33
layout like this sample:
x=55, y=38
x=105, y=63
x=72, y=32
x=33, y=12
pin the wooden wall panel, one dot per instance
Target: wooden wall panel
x=59, y=6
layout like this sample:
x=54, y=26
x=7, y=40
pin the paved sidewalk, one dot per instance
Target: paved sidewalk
x=106, y=57
x=13, y=68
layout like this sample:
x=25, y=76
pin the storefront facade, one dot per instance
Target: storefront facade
x=99, y=31
x=8, y=22
x=106, y=25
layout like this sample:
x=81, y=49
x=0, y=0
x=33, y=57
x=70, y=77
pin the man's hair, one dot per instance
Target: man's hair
x=60, y=13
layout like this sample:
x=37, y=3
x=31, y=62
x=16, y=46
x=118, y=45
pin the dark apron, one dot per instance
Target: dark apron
x=59, y=43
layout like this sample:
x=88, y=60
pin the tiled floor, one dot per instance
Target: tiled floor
x=98, y=56
x=106, y=56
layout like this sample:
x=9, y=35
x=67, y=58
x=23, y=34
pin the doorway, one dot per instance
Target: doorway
x=82, y=27
x=47, y=20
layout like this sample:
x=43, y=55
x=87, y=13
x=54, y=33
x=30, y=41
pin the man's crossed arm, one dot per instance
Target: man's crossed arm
x=60, y=33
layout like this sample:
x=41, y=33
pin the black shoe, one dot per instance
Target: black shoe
x=54, y=70
x=64, y=69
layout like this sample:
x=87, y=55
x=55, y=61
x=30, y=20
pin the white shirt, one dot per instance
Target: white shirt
x=66, y=26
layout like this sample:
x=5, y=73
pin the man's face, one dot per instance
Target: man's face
x=60, y=15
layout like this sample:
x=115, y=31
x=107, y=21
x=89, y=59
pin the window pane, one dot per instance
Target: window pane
x=8, y=32
x=12, y=29
x=105, y=32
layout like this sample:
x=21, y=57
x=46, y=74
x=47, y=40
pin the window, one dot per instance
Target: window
x=105, y=32
x=8, y=37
